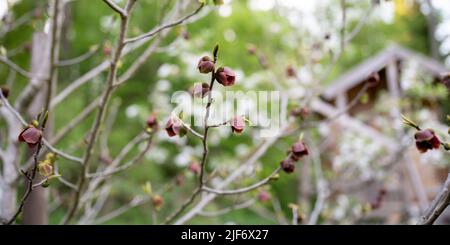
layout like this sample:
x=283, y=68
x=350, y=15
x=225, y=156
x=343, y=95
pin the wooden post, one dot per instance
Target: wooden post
x=394, y=90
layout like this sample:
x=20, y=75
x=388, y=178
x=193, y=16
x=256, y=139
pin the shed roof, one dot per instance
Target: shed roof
x=360, y=72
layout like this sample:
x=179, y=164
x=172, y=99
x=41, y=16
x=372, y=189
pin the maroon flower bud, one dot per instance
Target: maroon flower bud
x=185, y=35
x=251, y=49
x=27, y=46
x=377, y=202
x=263, y=196
x=263, y=61
x=299, y=149
x=106, y=50
x=157, y=201
x=174, y=126
x=290, y=71
x=205, y=65
x=237, y=124
x=37, y=13
x=302, y=112
x=200, y=90
x=294, y=157
x=5, y=91
x=195, y=168
x=152, y=122
x=179, y=180
x=373, y=79
x=225, y=76
x=30, y=135
x=446, y=81
x=288, y=165
x=426, y=140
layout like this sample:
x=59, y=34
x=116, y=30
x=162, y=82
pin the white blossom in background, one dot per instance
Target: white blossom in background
x=3, y=9
x=166, y=70
x=357, y=153
x=184, y=157
x=132, y=111
x=157, y=155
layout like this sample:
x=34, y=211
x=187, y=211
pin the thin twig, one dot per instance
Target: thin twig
x=88, y=76
x=75, y=121
x=44, y=141
x=116, y=8
x=78, y=59
x=137, y=201
x=30, y=183
x=100, y=113
x=15, y=67
x=245, y=189
x=439, y=204
x=125, y=166
x=154, y=32
x=204, y=139
x=228, y=209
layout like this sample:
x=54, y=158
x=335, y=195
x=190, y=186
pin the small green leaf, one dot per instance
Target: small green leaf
x=3, y=51
x=147, y=188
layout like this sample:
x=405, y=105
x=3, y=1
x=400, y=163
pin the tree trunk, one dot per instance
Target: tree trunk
x=35, y=208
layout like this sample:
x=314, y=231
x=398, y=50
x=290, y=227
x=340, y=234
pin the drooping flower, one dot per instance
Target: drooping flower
x=179, y=179
x=5, y=91
x=237, y=124
x=251, y=49
x=200, y=90
x=290, y=71
x=152, y=122
x=225, y=76
x=426, y=140
x=194, y=167
x=301, y=112
x=373, y=79
x=288, y=165
x=30, y=135
x=446, y=81
x=205, y=65
x=263, y=196
x=174, y=126
x=157, y=201
x=45, y=168
x=299, y=149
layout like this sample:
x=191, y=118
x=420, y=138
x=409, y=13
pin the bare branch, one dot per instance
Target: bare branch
x=245, y=189
x=439, y=204
x=44, y=141
x=30, y=179
x=96, y=71
x=100, y=113
x=204, y=139
x=159, y=29
x=138, y=62
x=223, y=211
x=15, y=67
x=125, y=166
x=78, y=59
x=116, y=8
x=137, y=201
x=260, y=150
x=76, y=121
